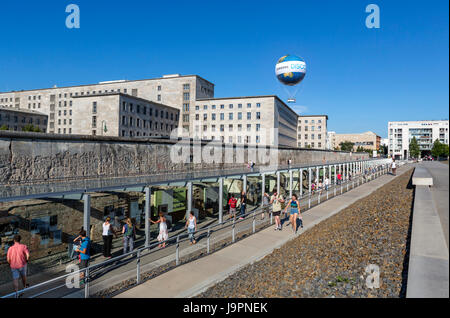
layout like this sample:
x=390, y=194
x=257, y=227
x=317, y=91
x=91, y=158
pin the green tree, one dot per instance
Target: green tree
x=414, y=150
x=346, y=145
x=31, y=128
x=439, y=149
x=4, y=127
x=383, y=150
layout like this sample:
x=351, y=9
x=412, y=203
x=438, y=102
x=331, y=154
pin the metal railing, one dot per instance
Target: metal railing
x=232, y=225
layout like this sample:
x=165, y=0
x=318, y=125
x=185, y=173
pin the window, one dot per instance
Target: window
x=197, y=107
x=144, y=110
x=222, y=127
x=249, y=127
x=131, y=107
x=239, y=139
x=231, y=106
x=239, y=105
x=159, y=88
x=213, y=106
x=249, y=105
x=319, y=136
x=94, y=121
x=131, y=121
x=197, y=117
x=319, y=145
x=258, y=127
x=186, y=87
x=230, y=128
x=138, y=122
x=138, y=109
x=306, y=128
x=205, y=116
x=186, y=96
x=258, y=115
x=205, y=107
x=312, y=128
x=205, y=127
x=222, y=116
x=213, y=128
x=213, y=116
x=159, y=98
x=222, y=106
x=186, y=107
x=230, y=116
x=312, y=136
x=230, y=139
x=306, y=136
x=239, y=127
x=258, y=105
x=94, y=107
x=239, y=116
x=249, y=115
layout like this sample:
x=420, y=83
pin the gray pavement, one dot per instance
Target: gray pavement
x=439, y=191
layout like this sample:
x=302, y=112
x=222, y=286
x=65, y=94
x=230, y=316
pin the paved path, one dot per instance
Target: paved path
x=195, y=277
x=439, y=191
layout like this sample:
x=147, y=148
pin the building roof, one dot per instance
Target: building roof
x=326, y=116
x=125, y=95
x=21, y=110
x=106, y=83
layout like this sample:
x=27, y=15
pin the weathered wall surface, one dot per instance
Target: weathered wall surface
x=28, y=157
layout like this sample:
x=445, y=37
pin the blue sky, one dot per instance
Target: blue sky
x=361, y=78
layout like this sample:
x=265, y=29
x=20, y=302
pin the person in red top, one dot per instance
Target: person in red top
x=232, y=203
x=17, y=257
x=339, y=178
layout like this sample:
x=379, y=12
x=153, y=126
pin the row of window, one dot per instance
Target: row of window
x=319, y=136
x=319, y=121
x=312, y=145
x=230, y=106
x=145, y=124
x=222, y=116
x=232, y=139
x=230, y=127
x=138, y=134
x=319, y=128
x=129, y=107
x=24, y=120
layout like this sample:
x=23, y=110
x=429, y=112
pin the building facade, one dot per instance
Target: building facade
x=312, y=131
x=331, y=140
x=59, y=104
x=426, y=132
x=250, y=120
x=118, y=114
x=367, y=140
x=16, y=119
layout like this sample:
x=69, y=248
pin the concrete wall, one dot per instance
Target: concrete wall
x=29, y=157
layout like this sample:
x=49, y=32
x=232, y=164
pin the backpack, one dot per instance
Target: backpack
x=128, y=230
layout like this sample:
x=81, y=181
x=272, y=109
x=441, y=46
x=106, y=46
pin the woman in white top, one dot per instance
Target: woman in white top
x=107, y=234
x=191, y=225
x=163, y=233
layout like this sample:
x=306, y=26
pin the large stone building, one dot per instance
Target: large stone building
x=16, y=119
x=426, y=132
x=184, y=98
x=60, y=103
x=367, y=140
x=118, y=114
x=251, y=120
x=312, y=131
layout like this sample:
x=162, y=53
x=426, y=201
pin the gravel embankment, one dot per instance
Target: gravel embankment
x=329, y=260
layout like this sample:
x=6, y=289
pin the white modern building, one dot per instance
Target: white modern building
x=426, y=132
x=331, y=140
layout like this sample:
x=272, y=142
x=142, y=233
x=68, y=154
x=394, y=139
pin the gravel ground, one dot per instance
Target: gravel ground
x=329, y=260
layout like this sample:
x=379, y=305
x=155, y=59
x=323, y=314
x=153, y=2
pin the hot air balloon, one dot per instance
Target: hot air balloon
x=290, y=71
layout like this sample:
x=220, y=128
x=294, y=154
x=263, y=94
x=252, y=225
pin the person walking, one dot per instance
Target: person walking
x=85, y=253
x=265, y=207
x=163, y=233
x=243, y=204
x=17, y=258
x=326, y=183
x=232, y=204
x=108, y=232
x=76, y=245
x=129, y=233
x=394, y=167
x=191, y=225
x=276, y=201
x=339, y=178
x=294, y=206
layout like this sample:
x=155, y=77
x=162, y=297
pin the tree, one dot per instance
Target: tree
x=4, y=127
x=383, y=150
x=414, y=150
x=31, y=128
x=346, y=146
x=439, y=149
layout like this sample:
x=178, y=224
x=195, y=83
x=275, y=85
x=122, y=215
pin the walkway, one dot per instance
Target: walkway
x=193, y=278
x=439, y=191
